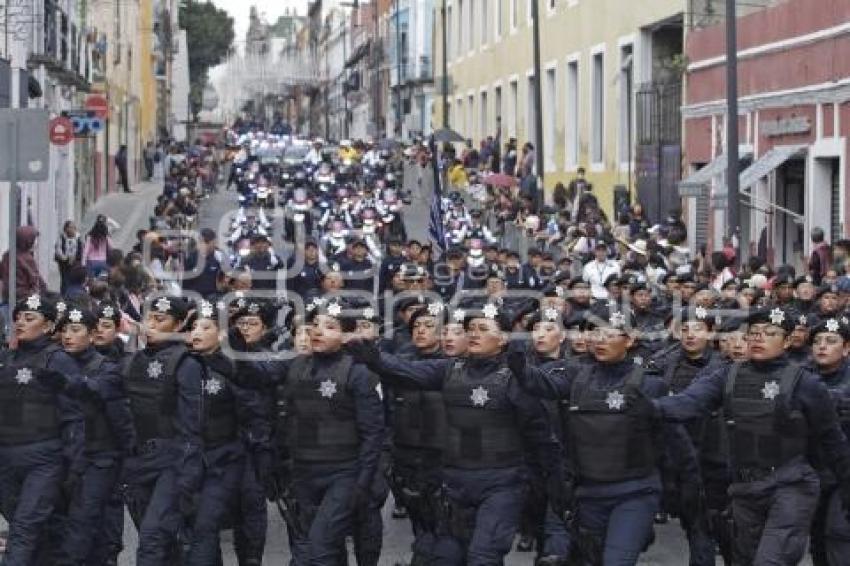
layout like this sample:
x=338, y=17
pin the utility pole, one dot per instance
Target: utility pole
x=732, y=180
x=538, y=96
x=376, y=70
x=445, y=67
x=398, y=69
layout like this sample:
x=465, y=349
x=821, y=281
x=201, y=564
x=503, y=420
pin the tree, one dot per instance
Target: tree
x=209, y=35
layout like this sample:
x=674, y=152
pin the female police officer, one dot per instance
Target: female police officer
x=614, y=448
x=109, y=433
x=489, y=421
x=777, y=413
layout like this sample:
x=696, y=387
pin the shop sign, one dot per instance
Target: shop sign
x=786, y=126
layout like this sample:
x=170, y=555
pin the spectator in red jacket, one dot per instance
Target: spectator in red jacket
x=28, y=279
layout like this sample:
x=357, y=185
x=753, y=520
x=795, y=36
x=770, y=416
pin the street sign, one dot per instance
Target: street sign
x=24, y=156
x=61, y=131
x=85, y=122
x=99, y=104
x=24, y=144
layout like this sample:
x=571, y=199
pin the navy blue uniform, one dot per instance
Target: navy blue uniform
x=109, y=432
x=687, y=496
x=778, y=412
x=164, y=475
x=830, y=542
x=112, y=537
x=329, y=431
x=231, y=422
x=484, y=469
x=41, y=438
x=618, y=480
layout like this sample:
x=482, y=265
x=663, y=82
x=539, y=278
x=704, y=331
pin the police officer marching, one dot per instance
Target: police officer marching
x=41, y=432
x=418, y=425
x=830, y=540
x=615, y=450
x=109, y=432
x=489, y=421
x=327, y=434
x=163, y=476
x=776, y=414
x=232, y=424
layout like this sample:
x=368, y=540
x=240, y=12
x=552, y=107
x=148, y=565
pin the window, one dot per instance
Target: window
x=471, y=21
x=485, y=22
x=461, y=15
x=530, y=110
x=497, y=19
x=513, y=14
x=597, y=108
x=549, y=112
x=483, y=118
x=470, y=117
x=459, y=117
x=571, y=126
x=497, y=105
x=625, y=78
x=513, y=108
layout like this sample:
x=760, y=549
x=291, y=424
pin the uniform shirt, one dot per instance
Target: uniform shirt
x=70, y=415
x=107, y=390
x=595, y=273
x=361, y=386
x=531, y=418
x=556, y=382
x=706, y=394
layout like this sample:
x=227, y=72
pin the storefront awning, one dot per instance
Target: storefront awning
x=699, y=181
x=768, y=162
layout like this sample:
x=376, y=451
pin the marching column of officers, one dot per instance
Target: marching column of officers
x=477, y=436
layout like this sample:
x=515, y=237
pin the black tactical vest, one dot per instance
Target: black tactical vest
x=99, y=435
x=28, y=409
x=708, y=434
x=316, y=415
x=418, y=418
x=839, y=392
x=150, y=381
x=482, y=431
x=756, y=437
x=221, y=425
x=607, y=444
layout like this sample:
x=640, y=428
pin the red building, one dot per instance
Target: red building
x=794, y=120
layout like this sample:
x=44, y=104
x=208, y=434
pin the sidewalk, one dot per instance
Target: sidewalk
x=130, y=211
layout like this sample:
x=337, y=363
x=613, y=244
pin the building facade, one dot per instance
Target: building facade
x=595, y=55
x=794, y=119
x=54, y=54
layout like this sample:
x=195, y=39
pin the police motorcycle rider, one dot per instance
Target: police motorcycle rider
x=477, y=230
x=685, y=495
x=41, y=432
x=109, y=432
x=163, y=474
x=615, y=450
x=232, y=424
x=327, y=433
x=489, y=421
x=830, y=533
x=776, y=413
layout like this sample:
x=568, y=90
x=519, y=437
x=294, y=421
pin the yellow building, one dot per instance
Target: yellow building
x=147, y=70
x=593, y=54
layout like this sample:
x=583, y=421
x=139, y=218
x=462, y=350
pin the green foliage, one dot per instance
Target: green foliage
x=209, y=34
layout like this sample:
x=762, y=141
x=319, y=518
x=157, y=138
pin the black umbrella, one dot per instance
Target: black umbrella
x=444, y=135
